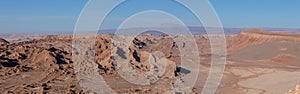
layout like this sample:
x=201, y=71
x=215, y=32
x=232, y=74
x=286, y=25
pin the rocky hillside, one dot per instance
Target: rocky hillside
x=254, y=37
x=46, y=66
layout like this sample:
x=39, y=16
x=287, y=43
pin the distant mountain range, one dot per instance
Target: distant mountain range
x=201, y=30
x=194, y=30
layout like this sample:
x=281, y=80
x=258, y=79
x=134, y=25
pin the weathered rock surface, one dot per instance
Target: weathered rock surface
x=147, y=64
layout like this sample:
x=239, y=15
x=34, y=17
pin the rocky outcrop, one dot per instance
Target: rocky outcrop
x=151, y=63
x=3, y=42
x=38, y=66
x=294, y=91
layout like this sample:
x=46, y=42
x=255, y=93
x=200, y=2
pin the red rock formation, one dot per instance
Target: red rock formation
x=256, y=36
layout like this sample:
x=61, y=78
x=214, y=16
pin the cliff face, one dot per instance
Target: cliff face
x=254, y=37
x=256, y=33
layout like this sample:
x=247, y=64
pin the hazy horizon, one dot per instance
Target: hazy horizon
x=194, y=29
x=60, y=16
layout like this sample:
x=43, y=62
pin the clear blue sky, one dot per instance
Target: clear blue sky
x=57, y=16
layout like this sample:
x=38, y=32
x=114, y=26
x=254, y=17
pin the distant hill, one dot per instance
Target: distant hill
x=201, y=30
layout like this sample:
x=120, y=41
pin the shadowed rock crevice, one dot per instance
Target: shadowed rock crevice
x=10, y=63
x=181, y=71
x=136, y=56
x=139, y=44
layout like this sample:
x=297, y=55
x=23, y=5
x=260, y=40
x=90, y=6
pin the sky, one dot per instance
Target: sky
x=60, y=16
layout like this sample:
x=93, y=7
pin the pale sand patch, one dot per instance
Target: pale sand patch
x=251, y=91
x=277, y=82
x=283, y=49
x=261, y=70
x=241, y=73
